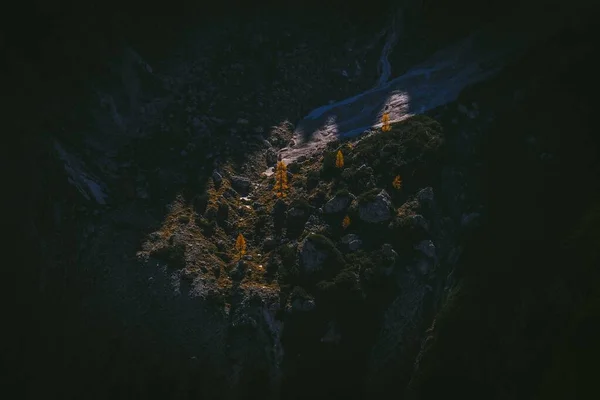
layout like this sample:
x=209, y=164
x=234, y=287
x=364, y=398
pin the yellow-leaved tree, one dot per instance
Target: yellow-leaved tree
x=346, y=222
x=397, y=183
x=240, y=245
x=339, y=159
x=280, y=180
x=385, y=120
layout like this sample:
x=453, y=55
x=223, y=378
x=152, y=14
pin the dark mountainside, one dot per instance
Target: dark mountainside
x=142, y=135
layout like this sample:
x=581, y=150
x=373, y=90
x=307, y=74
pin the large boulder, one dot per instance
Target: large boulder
x=311, y=257
x=425, y=197
x=217, y=178
x=318, y=252
x=241, y=184
x=375, y=208
x=340, y=202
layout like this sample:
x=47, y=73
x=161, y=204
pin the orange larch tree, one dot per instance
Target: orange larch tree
x=385, y=119
x=240, y=245
x=281, y=180
x=397, y=183
x=339, y=159
x=346, y=222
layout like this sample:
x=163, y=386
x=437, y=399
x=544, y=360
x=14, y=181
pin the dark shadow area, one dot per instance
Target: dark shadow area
x=53, y=54
x=529, y=284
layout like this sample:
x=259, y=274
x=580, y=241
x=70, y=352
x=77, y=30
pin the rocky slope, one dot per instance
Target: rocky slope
x=435, y=287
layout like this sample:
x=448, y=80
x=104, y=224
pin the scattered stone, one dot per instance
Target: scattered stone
x=315, y=224
x=154, y=236
x=246, y=200
x=217, y=178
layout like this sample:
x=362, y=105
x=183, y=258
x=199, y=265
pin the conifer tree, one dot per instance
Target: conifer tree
x=397, y=183
x=346, y=222
x=281, y=179
x=385, y=119
x=339, y=159
x=240, y=245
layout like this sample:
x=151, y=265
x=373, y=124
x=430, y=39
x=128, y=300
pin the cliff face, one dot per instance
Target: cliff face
x=143, y=168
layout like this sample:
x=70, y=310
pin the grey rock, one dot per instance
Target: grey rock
x=154, y=236
x=238, y=272
x=210, y=214
x=378, y=210
x=427, y=248
x=296, y=212
x=352, y=241
x=311, y=258
x=271, y=157
x=269, y=243
x=241, y=184
x=230, y=194
x=315, y=224
x=303, y=305
x=337, y=204
x=425, y=196
x=280, y=207
x=246, y=200
x=217, y=178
